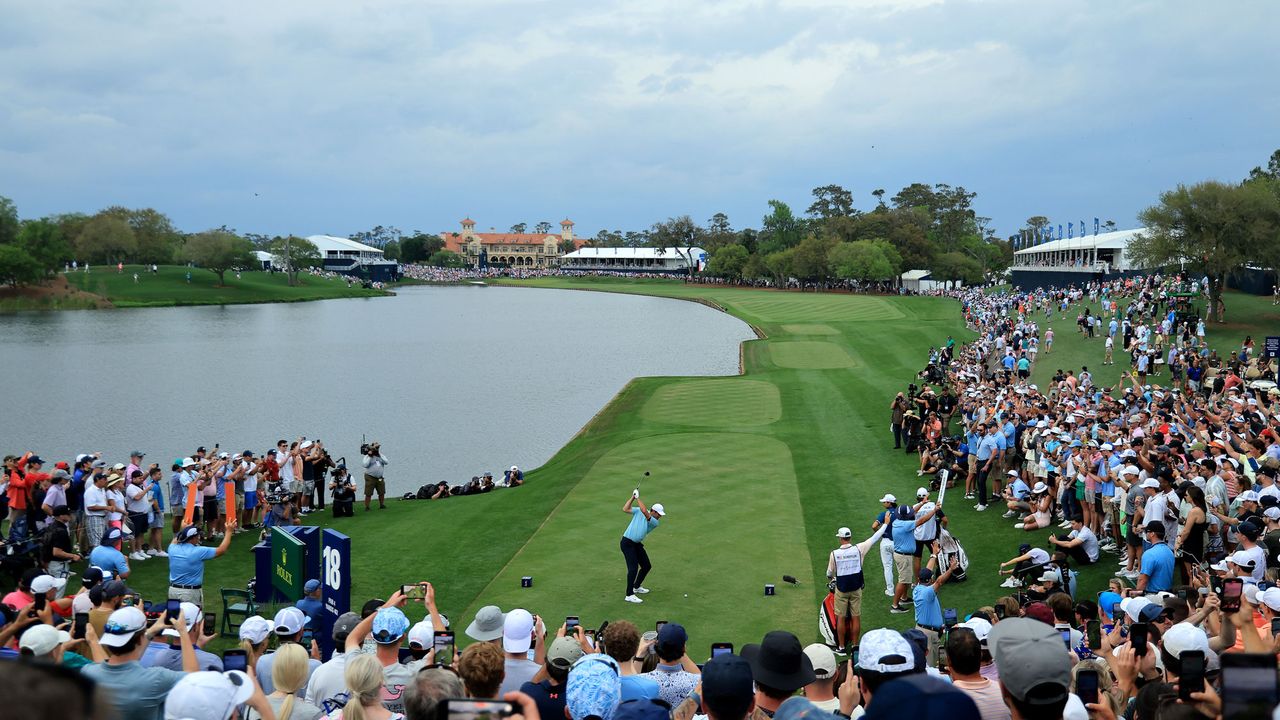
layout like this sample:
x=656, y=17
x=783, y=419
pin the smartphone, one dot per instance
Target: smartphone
x=1138, y=638
x=649, y=635
x=1087, y=686
x=171, y=609
x=472, y=709
x=949, y=617
x=1232, y=589
x=1275, y=626
x=1093, y=634
x=443, y=643
x=235, y=660
x=1066, y=638
x=1249, y=688
x=210, y=624
x=82, y=620
x=591, y=636
x=1191, y=679
x=570, y=622
x=1182, y=594
x=40, y=601
x=1115, y=613
x=721, y=648
x=657, y=627
x=406, y=655
x=414, y=592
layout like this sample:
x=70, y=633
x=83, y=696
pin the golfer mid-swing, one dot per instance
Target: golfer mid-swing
x=643, y=521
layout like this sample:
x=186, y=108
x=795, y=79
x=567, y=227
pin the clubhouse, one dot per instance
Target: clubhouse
x=514, y=250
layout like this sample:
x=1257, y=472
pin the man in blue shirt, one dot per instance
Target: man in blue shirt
x=186, y=563
x=928, y=608
x=988, y=454
x=1156, y=572
x=643, y=521
x=904, y=549
x=310, y=604
x=108, y=556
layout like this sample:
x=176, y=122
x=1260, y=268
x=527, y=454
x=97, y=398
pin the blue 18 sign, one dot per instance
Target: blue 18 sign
x=335, y=583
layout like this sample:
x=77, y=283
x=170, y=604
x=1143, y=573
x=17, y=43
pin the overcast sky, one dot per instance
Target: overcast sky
x=335, y=116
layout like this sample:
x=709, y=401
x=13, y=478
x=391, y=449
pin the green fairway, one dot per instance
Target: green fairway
x=169, y=286
x=757, y=472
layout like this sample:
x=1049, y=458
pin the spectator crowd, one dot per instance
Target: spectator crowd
x=1173, y=481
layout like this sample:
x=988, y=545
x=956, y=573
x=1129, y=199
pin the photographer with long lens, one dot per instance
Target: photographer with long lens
x=374, y=474
x=344, y=491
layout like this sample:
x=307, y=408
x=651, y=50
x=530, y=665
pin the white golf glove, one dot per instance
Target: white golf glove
x=635, y=494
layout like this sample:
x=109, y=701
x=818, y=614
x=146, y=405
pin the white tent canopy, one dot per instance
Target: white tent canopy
x=1092, y=253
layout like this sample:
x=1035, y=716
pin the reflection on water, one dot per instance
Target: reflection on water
x=453, y=380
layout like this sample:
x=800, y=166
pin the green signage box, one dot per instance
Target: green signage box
x=288, y=574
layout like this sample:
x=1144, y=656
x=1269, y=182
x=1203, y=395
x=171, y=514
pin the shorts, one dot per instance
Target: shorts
x=973, y=464
x=905, y=568
x=308, y=487
x=138, y=521
x=372, y=484
x=250, y=499
x=920, y=546
x=849, y=604
x=210, y=508
x=157, y=519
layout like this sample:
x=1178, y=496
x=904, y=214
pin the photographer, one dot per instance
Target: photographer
x=344, y=491
x=374, y=474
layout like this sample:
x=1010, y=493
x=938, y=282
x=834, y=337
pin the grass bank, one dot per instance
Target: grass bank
x=757, y=472
x=169, y=286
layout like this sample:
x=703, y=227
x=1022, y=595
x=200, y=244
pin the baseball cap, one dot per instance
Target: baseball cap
x=919, y=695
x=422, y=634
x=255, y=629
x=594, y=687
x=1150, y=483
x=92, y=576
x=844, y=532
x=1038, y=611
x=1012, y=473
x=389, y=625
x=191, y=614
x=207, y=695
x=727, y=684
x=922, y=492
x=44, y=583
x=1249, y=530
x=188, y=462
x=643, y=709
x=888, y=498
x=1034, y=666
x=564, y=652
x=672, y=635
x=311, y=586
x=517, y=631
x=1132, y=606
x=111, y=537
x=487, y=625
x=1271, y=513
x=779, y=662
x=343, y=626
x=41, y=639
x=823, y=660
x=187, y=533
x=122, y=625
x=1248, y=496
x=1184, y=637
x=289, y=621
x=980, y=627
x=1106, y=600
x=1242, y=558
x=885, y=651
x=657, y=507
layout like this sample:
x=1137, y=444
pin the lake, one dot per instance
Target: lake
x=453, y=381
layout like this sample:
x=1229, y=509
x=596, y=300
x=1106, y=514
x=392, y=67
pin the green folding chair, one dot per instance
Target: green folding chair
x=238, y=604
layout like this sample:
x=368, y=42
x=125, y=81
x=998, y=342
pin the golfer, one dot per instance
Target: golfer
x=643, y=521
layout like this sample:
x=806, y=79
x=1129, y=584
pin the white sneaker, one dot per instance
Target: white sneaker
x=1019, y=526
x=888, y=592
x=1009, y=514
x=641, y=591
x=919, y=473
x=138, y=556
x=153, y=553
x=1064, y=524
x=633, y=599
x=1131, y=574
x=1009, y=583
x=162, y=553
x=980, y=508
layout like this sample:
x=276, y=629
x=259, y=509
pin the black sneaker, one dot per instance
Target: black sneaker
x=897, y=609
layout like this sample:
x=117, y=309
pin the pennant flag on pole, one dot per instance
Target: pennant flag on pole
x=1095, y=226
x=189, y=514
x=230, y=489
x=1071, y=229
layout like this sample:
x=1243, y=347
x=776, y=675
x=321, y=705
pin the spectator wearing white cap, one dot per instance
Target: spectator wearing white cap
x=44, y=643
x=884, y=655
x=964, y=650
x=193, y=620
x=844, y=569
x=289, y=625
x=214, y=696
x=521, y=630
x=1016, y=493
x=186, y=562
x=135, y=691
x=928, y=522
x=821, y=691
x=255, y=635
x=885, y=519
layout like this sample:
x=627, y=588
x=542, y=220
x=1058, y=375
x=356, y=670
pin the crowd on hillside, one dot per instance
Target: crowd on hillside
x=1173, y=482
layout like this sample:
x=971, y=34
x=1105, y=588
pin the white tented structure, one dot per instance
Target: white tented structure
x=1102, y=253
x=919, y=281
x=333, y=248
x=626, y=259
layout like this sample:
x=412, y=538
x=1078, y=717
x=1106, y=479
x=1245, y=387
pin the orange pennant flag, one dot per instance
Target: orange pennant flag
x=191, y=504
x=230, y=489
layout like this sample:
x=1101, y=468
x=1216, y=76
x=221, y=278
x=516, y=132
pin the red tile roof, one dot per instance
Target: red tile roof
x=456, y=242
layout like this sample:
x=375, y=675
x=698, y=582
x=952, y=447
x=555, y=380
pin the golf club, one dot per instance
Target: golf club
x=646, y=474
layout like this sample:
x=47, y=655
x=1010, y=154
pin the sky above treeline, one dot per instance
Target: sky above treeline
x=333, y=117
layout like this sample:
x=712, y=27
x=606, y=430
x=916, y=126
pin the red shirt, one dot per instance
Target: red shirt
x=19, y=487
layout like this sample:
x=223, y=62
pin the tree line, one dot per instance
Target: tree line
x=32, y=250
